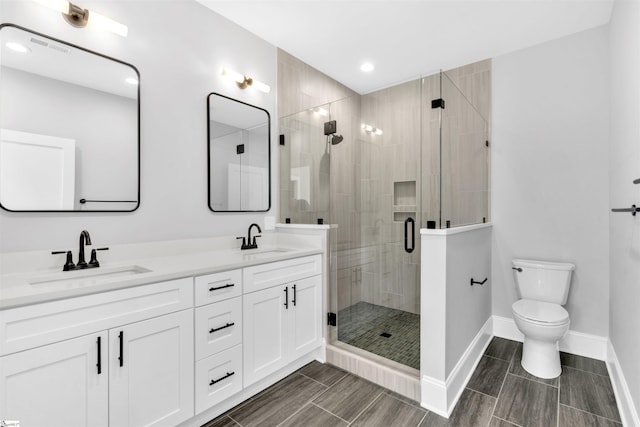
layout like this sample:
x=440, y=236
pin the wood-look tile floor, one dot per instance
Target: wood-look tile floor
x=499, y=394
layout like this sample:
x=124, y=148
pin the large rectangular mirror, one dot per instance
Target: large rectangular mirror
x=239, y=156
x=69, y=127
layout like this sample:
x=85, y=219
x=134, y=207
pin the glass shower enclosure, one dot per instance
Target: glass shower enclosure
x=411, y=156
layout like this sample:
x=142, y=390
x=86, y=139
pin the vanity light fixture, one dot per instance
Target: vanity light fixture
x=371, y=129
x=79, y=17
x=243, y=81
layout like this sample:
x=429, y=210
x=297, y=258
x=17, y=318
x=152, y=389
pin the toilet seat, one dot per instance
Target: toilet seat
x=539, y=312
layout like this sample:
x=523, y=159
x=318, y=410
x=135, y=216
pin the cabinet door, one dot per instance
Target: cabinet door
x=306, y=316
x=265, y=332
x=151, y=371
x=58, y=384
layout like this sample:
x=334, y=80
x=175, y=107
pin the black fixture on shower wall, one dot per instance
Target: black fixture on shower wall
x=330, y=127
x=437, y=103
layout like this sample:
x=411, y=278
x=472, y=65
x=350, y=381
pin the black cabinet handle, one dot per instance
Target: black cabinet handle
x=99, y=364
x=406, y=235
x=294, y=295
x=228, y=325
x=221, y=378
x=121, y=356
x=474, y=282
x=228, y=285
x=286, y=298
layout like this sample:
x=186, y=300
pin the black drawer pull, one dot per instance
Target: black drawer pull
x=99, y=364
x=286, y=298
x=294, y=296
x=221, y=378
x=228, y=285
x=228, y=325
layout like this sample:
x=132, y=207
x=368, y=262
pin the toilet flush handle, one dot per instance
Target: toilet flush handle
x=518, y=269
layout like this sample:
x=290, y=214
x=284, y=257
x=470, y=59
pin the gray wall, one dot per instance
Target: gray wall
x=179, y=48
x=549, y=170
x=624, y=165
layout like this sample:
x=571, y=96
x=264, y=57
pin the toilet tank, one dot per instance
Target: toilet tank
x=543, y=280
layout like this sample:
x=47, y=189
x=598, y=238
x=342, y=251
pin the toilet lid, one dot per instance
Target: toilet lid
x=538, y=311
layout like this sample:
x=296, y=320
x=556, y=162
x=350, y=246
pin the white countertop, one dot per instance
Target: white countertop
x=22, y=287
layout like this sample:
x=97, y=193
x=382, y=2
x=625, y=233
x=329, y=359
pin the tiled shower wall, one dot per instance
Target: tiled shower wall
x=377, y=181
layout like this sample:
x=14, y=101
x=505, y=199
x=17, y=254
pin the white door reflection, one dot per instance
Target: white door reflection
x=37, y=172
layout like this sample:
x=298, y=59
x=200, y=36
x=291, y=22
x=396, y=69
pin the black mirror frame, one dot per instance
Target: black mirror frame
x=209, y=152
x=138, y=132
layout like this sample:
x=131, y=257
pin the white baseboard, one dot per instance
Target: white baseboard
x=441, y=396
x=627, y=409
x=578, y=343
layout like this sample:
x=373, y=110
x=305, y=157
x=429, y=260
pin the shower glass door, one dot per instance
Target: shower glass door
x=378, y=253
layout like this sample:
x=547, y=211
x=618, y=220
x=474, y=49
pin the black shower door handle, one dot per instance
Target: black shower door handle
x=406, y=235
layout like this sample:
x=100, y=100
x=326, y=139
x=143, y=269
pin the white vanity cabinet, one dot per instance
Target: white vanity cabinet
x=57, y=384
x=151, y=371
x=282, y=316
x=52, y=372
x=161, y=353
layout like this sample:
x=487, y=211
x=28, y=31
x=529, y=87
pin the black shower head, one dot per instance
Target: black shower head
x=336, y=139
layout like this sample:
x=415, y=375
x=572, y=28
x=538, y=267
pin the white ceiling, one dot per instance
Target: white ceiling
x=406, y=39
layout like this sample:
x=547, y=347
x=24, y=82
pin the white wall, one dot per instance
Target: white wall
x=549, y=176
x=178, y=47
x=624, y=166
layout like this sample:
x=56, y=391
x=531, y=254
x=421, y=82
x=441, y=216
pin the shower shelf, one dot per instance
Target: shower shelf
x=405, y=208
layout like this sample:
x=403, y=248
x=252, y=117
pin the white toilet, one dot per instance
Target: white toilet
x=543, y=288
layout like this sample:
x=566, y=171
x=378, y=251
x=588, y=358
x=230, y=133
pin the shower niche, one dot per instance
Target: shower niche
x=404, y=200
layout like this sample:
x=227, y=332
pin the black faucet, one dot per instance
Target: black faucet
x=85, y=238
x=249, y=244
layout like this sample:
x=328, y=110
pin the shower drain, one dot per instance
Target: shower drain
x=385, y=334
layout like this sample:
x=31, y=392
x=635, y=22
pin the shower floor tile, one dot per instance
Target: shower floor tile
x=387, y=332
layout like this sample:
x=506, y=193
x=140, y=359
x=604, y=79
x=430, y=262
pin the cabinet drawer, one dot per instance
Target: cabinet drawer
x=264, y=276
x=218, y=377
x=218, y=286
x=218, y=327
x=31, y=326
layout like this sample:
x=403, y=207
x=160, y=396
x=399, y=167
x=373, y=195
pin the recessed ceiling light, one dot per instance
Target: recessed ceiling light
x=17, y=47
x=367, y=67
x=131, y=80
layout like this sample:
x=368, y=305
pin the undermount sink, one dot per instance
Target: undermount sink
x=263, y=252
x=90, y=276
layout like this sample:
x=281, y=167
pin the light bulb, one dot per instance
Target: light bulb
x=237, y=77
x=59, y=5
x=103, y=22
x=261, y=86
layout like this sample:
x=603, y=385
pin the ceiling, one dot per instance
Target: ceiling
x=406, y=39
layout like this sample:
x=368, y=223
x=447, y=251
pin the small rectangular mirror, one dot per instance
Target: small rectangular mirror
x=239, y=156
x=69, y=127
